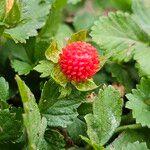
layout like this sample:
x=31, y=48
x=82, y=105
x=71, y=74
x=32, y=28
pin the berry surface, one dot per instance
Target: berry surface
x=79, y=61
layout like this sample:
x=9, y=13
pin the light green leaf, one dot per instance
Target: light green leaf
x=21, y=67
x=10, y=126
x=118, y=32
x=52, y=53
x=106, y=117
x=85, y=86
x=139, y=102
x=135, y=146
x=141, y=135
x=35, y=126
x=45, y=68
x=142, y=56
x=141, y=10
x=31, y=20
x=79, y=36
x=58, y=76
x=4, y=89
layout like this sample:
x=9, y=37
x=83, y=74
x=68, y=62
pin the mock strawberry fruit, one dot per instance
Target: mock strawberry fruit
x=79, y=61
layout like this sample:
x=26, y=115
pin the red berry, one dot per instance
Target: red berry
x=79, y=61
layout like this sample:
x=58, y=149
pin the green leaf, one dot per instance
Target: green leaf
x=55, y=140
x=76, y=129
x=23, y=68
x=59, y=112
x=94, y=145
x=52, y=53
x=135, y=146
x=44, y=67
x=10, y=126
x=106, y=117
x=82, y=21
x=79, y=36
x=141, y=10
x=139, y=102
x=35, y=126
x=58, y=76
x=121, y=75
x=74, y=1
x=118, y=33
x=142, y=57
x=141, y=135
x=31, y=20
x=4, y=89
x=2, y=9
x=13, y=16
x=85, y=86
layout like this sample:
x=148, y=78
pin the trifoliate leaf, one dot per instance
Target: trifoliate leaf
x=10, y=126
x=35, y=126
x=52, y=53
x=21, y=67
x=139, y=102
x=141, y=135
x=31, y=20
x=79, y=36
x=106, y=117
x=59, y=112
x=135, y=146
x=4, y=89
x=45, y=68
x=118, y=33
x=58, y=76
x=85, y=86
x=141, y=10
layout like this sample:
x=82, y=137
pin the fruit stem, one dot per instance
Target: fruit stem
x=125, y=127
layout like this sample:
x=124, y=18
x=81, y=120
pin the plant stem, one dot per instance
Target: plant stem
x=132, y=126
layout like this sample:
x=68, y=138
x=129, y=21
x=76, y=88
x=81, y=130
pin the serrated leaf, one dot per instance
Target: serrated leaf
x=59, y=112
x=118, y=33
x=85, y=86
x=58, y=76
x=141, y=135
x=141, y=10
x=139, y=102
x=142, y=55
x=45, y=68
x=10, y=126
x=106, y=117
x=135, y=146
x=35, y=126
x=4, y=89
x=52, y=53
x=79, y=36
x=31, y=20
x=21, y=67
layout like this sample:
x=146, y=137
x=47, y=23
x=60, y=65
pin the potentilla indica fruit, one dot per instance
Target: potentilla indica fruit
x=79, y=61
